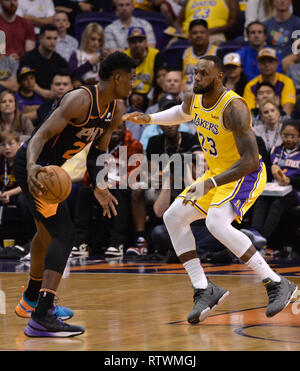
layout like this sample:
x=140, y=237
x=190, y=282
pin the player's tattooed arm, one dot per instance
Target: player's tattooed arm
x=236, y=118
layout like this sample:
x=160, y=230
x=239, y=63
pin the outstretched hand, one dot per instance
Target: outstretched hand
x=107, y=201
x=136, y=117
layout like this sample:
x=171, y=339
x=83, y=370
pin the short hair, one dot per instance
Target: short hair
x=47, y=27
x=198, y=22
x=62, y=72
x=7, y=135
x=256, y=22
x=116, y=61
x=265, y=83
x=217, y=61
x=292, y=122
x=268, y=100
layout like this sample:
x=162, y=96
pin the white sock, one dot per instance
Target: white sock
x=196, y=273
x=261, y=268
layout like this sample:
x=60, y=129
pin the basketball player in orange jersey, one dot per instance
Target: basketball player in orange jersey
x=87, y=114
x=235, y=178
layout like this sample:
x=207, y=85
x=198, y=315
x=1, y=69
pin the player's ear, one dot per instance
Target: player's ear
x=117, y=78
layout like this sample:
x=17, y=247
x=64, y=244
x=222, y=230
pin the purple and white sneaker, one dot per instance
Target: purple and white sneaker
x=50, y=326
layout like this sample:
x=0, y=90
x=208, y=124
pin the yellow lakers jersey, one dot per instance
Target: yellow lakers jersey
x=217, y=142
x=190, y=59
x=215, y=12
x=144, y=5
x=144, y=72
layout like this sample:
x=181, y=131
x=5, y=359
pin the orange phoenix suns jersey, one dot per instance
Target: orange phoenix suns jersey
x=217, y=142
x=74, y=137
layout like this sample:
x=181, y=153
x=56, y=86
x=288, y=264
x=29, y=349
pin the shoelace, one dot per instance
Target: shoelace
x=272, y=292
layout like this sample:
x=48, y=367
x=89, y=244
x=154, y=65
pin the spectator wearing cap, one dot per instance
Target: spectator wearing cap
x=234, y=79
x=20, y=35
x=166, y=101
x=148, y=59
x=257, y=36
x=28, y=100
x=115, y=34
x=222, y=17
x=199, y=38
x=8, y=68
x=284, y=86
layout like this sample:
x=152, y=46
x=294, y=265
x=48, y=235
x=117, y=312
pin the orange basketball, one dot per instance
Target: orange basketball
x=57, y=183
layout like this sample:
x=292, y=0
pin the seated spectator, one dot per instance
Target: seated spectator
x=148, y=59
x=66, y=44
x=172, y=84
x=258, y=10
x=115, y=34
x=284, y=86
x=270, y=128
x=221, y=16
x=264, y=91
x=162, y=245
x=200, y=46
x=39, y=12
x=11, y=119
x=10, y=192
x=268, y=210
x=85, y=61
x=157, y=90
x=60, y=85
x=119, y=225
x=44, y=58
x=28, y=100
x=280, y=28
x=8, y=72
x=20, y=35
x=257, y=36
x=167, y=101
x=234, y=78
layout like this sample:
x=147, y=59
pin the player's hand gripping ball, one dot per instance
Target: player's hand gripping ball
x=57, y=184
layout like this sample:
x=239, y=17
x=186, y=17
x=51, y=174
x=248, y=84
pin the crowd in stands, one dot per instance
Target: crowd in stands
x=53, y=46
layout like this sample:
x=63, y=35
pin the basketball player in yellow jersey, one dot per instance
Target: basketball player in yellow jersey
x=235, y=178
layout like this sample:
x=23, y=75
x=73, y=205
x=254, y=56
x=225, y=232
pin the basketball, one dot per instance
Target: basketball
x=57, y=183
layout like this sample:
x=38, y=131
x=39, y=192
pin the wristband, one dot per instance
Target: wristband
x=150, y=122
x=213, y=182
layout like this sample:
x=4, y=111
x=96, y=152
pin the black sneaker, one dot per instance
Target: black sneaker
x=279, y=293
x=205, y=301
x=50, y=326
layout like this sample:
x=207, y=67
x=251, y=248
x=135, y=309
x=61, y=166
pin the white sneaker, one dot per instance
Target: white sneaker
x=81, y=250
x=115, y=250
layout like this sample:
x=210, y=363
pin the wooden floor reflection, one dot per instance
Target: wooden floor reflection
x=144, y=312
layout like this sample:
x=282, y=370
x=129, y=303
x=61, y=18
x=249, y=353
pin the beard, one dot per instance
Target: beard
x=207, y=89
x=10, y=10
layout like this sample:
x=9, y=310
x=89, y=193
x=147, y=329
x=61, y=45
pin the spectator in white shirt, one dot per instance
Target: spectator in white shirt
x=65, y=44
x=39, y=12
x=115, y=34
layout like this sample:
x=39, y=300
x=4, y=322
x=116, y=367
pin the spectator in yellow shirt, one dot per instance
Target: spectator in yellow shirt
x=284, y=87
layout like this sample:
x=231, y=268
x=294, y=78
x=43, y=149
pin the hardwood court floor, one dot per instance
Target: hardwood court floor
x=146, y=311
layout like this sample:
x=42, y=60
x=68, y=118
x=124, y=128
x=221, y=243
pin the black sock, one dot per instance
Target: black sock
x=45, y=302
x=33, y=288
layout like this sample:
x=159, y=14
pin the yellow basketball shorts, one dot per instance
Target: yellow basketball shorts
x=241, y=194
